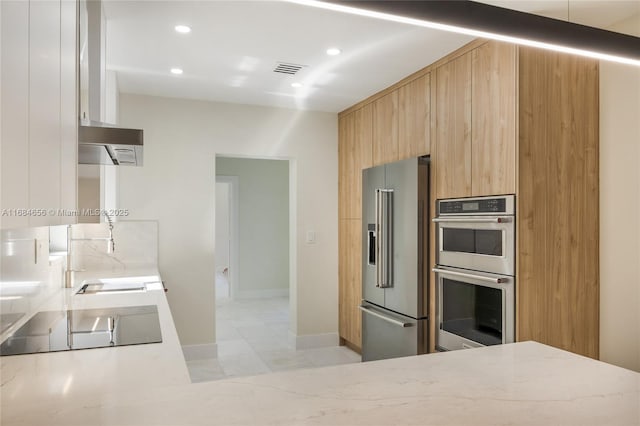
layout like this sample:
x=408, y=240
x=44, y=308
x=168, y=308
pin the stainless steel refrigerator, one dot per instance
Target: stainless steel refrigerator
x=395, y=250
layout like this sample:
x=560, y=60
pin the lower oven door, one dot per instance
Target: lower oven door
x=473, y=308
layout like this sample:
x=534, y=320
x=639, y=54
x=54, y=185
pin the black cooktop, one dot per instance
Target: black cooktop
x=53, y=331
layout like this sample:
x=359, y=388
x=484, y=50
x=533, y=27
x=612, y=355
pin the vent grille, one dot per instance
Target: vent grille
x=287, y=68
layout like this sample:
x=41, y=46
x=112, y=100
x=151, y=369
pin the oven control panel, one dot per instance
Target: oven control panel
x=502, y=205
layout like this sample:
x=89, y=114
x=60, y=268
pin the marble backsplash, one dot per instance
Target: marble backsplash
x=134, y=246
x=28, y=274
x=33, y=261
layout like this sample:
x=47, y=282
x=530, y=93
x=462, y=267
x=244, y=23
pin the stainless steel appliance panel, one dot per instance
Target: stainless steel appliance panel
x=395, y=259
x=372, y=180
x=477, y=233
x=488, y=242
x=406, y=295
x=386, y=334
x=473, y=308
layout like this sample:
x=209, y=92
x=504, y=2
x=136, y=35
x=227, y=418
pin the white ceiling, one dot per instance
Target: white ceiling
x=234, y=45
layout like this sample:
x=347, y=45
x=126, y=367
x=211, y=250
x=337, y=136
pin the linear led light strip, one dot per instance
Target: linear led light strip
x=476, y=33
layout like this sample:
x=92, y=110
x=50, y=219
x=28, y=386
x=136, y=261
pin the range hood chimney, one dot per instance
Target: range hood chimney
x=98, y=142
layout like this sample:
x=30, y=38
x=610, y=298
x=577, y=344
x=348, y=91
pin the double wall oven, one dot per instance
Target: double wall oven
x=475, y=272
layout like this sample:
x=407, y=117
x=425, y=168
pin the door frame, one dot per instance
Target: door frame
x=234, y=233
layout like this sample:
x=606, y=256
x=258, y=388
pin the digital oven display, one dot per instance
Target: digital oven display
x=470, y=207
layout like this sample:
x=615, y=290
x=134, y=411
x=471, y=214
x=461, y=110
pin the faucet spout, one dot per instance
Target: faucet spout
x=112, y=243
x=69, y=277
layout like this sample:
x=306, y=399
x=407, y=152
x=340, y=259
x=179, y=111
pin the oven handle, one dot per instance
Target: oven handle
x=501, y=219
x=497, y=280
x=394, y=321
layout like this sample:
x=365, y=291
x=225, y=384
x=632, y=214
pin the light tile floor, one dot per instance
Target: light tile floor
x=253, y=338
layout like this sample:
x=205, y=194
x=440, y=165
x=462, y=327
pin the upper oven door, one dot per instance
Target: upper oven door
x=481, y=243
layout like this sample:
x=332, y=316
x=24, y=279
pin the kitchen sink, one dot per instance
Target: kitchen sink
x=111, y=287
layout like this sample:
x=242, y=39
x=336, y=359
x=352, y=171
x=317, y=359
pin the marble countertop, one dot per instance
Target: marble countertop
x=70, y=374
x=522, y=383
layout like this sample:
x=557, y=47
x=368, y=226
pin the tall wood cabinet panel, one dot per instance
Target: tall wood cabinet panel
x=355, y=152
x=558, y=289
x=348, y=199
x=364, y=135
x=493, y=119
x=453, y=128
x=350, y=278
x=385, y=129
x=414, y=112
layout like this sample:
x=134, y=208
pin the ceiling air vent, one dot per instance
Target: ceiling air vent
x=287, y=68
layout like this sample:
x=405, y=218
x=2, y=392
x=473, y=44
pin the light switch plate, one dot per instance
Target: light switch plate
x=311, y=237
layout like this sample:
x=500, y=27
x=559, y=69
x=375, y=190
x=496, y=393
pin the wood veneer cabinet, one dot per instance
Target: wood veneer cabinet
x=501, y=119
x=493, y=119
x=355, y=152
x=453, y=128
x=534, y=132
x=476, y=122
x=348, y=189
x=385, y=129
x=350, y=278
x=414, y=112
x=557, y=201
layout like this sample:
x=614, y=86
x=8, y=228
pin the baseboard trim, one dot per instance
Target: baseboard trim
x=312, y=341
x=262, y=294
x=194, y=352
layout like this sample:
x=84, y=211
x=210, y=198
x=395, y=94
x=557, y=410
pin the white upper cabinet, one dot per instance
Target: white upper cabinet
x=38, y=148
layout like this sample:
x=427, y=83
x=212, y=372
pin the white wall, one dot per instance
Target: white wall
x=620, y=209
x=263, y=204
x=175, y=187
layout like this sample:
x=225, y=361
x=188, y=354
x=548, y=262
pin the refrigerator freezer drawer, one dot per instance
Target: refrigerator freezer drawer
x=386, y=334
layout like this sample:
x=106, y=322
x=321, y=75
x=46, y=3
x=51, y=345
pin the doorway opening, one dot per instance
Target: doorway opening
x=226, y=229
x=252, y=263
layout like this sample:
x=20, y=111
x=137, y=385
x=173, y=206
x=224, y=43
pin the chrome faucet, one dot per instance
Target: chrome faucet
x=69, y=276
x=112, y=243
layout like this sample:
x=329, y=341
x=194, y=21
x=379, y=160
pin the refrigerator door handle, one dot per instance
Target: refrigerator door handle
x=394, y=321
x=384, y=240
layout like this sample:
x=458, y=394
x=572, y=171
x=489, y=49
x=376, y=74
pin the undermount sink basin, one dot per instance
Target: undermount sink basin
x=110, y=287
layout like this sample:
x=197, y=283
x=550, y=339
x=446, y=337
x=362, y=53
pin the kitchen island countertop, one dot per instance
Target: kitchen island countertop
x=522, y=383
x=35, y=378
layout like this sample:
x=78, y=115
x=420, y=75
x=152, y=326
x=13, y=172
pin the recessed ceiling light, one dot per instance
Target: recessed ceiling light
x=182, y=29
x=177, y=71
x=333, y=51
x=296, y=85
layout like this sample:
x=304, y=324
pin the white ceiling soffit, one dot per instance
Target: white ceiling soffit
x=234, y=47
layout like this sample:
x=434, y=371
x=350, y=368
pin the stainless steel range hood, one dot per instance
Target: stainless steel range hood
x=98, y=142
x=101, y=143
